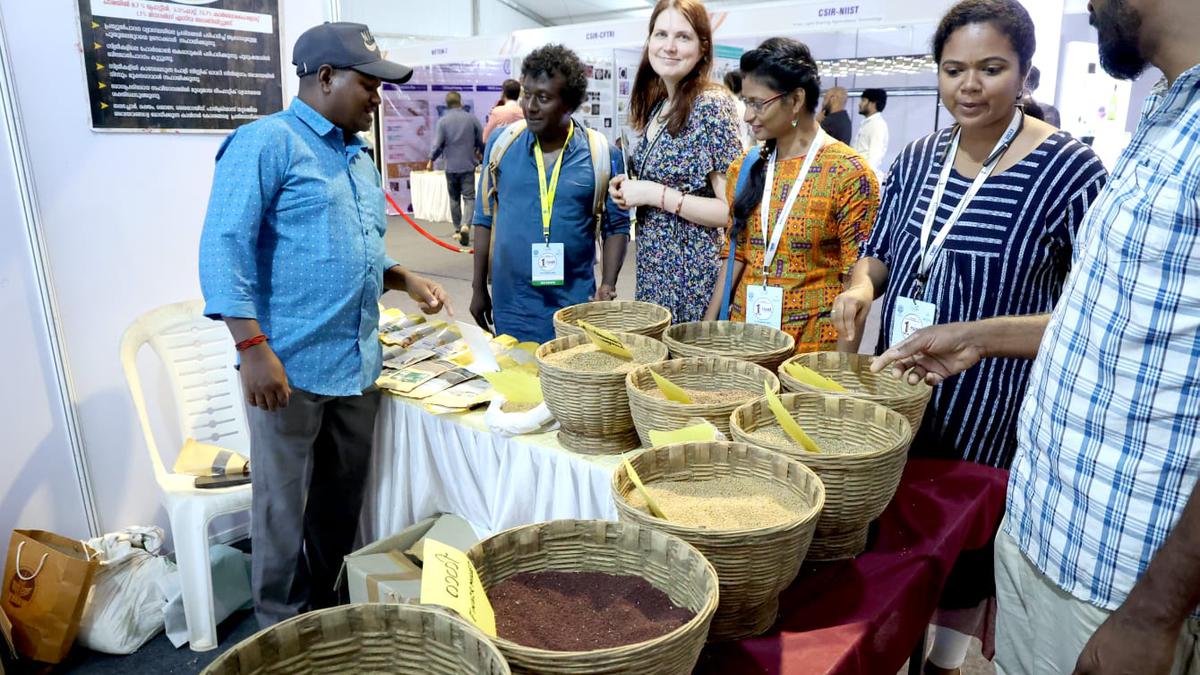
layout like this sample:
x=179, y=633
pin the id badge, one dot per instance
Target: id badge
x=911, y=316
x=764, y=306
x=548, y=264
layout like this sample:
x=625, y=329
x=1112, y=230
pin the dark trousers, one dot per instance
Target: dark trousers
x=462, y=195
x=308, y=470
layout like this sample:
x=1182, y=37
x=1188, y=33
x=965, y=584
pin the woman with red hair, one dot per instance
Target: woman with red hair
x=677, y=174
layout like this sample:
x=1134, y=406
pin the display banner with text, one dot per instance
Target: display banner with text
x=181, y=65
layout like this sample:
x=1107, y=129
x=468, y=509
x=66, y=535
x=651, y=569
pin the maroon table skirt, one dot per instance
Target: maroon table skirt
x=864, y=616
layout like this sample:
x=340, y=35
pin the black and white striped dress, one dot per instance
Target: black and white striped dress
x=1009, y=254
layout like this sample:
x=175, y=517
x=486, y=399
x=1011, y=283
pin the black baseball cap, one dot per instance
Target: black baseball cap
x=343, y=44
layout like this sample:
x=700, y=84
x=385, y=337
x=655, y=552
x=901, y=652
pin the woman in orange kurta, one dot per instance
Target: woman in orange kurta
x=831, y=215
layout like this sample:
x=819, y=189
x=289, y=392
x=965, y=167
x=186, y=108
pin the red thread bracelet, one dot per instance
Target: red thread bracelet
x=662, y=200
x=250, y=342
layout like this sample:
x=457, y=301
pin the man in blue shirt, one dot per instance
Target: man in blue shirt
x=460, y=138
x=292, y=259
x=544, y=210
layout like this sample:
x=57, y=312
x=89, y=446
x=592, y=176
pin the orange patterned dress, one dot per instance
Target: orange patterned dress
x=832, y=216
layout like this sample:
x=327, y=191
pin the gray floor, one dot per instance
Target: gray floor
x=453, y=271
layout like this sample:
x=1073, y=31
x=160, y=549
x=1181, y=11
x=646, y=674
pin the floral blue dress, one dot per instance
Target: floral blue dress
x=677, y=261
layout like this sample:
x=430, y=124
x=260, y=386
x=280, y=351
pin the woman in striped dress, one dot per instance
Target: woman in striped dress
x=1007, y=193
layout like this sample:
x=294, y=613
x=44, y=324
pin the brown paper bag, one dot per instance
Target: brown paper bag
x=46, y=583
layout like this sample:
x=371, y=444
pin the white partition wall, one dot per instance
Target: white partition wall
x=120, y=218
x=40, y=485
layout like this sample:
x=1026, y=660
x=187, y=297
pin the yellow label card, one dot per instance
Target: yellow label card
x=789, y=424
x=669, y=389
x=812, y=378
x=606, y=340
x=637, y=482
x=450, y=580
x=517, y=385
x=696, y=432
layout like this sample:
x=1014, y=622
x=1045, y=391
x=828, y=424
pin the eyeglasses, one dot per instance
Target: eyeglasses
x=757, y=106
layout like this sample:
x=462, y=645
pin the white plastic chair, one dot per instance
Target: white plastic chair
x=199, y=358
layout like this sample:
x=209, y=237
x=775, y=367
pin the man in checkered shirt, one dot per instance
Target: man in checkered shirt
x=1098, y=559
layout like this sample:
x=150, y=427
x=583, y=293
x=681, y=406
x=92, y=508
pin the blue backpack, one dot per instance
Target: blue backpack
x=742, y=178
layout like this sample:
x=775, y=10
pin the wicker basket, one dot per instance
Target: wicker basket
x=753, y=565
x=626, y=316
x=592, y=408
x=765, y=346
x=667, y=562
x=853, y=371
x=859, y=485
x=365, y=638
x=709, y=373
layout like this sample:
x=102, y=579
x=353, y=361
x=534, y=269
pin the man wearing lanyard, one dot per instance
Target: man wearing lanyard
x=540, y=243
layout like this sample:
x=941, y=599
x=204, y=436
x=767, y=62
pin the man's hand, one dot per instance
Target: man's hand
x=1128, y=645
x=481, y=309
x=849, y=316
x=933, y=354
x=605, y=292
x=263, y=379
x=429, y=295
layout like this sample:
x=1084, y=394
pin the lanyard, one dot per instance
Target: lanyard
x=653, y=142
x=546, y=193
x=781, y=218
x=930, y=251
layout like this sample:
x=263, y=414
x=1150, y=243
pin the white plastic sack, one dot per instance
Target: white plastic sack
x=515, y=424
x=230, y=570
x=125, y=608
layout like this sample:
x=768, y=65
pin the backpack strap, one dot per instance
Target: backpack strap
x=602, y=170
x=487, y=178
x=743, y=177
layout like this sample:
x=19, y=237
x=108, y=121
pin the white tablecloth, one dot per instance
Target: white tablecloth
x=426, y=464
x=430, y=198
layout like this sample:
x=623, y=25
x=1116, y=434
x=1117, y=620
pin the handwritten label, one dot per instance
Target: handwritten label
x=696, y=432
x=789, y=424
x=605, y=340
x=450, y=580
x=637, y=482
x=812, y=378
x=669, y=389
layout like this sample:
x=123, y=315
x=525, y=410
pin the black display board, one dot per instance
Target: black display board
x=198, y=65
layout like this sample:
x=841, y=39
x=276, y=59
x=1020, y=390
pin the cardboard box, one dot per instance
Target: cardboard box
x=450, y=530
x=384, y=577
x=380, y=571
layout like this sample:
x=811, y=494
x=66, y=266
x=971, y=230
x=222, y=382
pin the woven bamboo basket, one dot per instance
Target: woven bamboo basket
x=711, y=373
x=853, y=371
x=365, y=638
x=625, y=316
x=753, y=565
x=765, y=346
x=858, y=485
x=670, y=564
x=592, y=408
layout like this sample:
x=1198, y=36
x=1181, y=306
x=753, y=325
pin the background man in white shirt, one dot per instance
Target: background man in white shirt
x=872, y=139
